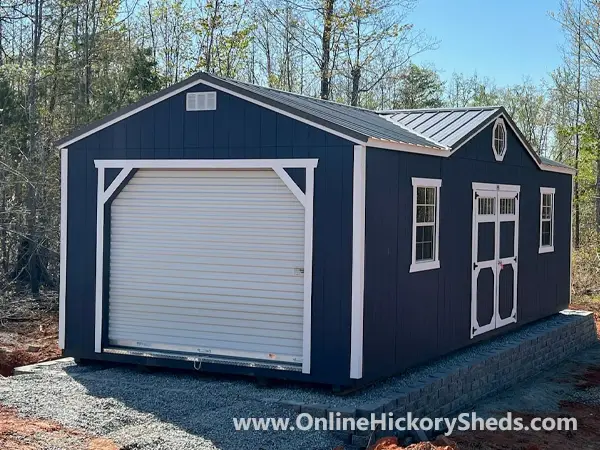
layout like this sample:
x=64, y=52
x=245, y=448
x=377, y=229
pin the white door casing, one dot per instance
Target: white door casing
x=495, y=204
x=226, y=316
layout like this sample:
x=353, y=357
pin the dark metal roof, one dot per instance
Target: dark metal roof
x=446, y=126
x=357, y=123
x=439, y=128
x=551, y=162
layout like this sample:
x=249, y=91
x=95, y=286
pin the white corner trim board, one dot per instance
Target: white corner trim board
x=358, y=261
x=306, y=199
x=64, y=172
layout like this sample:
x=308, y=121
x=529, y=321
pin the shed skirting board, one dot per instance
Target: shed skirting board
x=358, y=261
x=64, y=176
x=278, y=166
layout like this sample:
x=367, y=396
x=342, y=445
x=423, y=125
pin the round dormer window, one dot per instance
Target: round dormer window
x=499, y=139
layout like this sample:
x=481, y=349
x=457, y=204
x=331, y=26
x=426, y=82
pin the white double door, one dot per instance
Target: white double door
x=495, y=248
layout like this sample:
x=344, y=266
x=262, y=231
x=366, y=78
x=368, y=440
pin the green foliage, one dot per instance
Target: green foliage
x=419, y=87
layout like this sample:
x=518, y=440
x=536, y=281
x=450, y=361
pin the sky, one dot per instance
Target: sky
x=504, y=40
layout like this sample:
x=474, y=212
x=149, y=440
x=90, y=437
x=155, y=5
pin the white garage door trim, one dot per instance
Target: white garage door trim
x=277, y=165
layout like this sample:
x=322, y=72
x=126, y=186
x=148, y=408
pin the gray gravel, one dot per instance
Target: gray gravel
x=156, y=411
x=167, y=410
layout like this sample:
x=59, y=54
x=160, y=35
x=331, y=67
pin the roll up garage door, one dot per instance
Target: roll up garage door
x=208, y=262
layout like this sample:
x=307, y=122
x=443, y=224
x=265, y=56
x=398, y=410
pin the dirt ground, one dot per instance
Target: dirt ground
x=17, y=433
x=28, y=342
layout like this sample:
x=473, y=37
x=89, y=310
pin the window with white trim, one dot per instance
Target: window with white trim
x=546, y=220
x=499, y=139
x=425, y=231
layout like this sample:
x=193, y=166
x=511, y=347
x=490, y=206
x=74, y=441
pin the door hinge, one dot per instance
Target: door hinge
x=474, y=266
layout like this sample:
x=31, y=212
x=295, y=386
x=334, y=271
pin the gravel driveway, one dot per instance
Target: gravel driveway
x=162, y=410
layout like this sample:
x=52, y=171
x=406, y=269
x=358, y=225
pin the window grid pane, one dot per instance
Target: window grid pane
x=546, y=220
x=424, y=242
x=425, y=223
x=487, y=205
x=508, y=205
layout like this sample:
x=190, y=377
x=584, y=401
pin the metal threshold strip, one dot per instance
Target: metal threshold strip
x=196, y=359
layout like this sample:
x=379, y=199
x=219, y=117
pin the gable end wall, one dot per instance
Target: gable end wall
x=236, y=130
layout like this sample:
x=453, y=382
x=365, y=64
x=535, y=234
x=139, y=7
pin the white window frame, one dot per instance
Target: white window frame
x=418, y=266
x=551, y=192
x=499, y=122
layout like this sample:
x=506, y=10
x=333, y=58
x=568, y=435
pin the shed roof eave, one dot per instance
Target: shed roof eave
x=404, y=147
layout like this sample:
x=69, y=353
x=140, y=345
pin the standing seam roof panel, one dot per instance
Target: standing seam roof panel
x=438, y=128
x=465, y=128
x=423, y=127
x=362, y=121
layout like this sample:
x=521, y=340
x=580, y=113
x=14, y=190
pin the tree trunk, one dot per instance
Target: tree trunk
x=355, y=73
x=3, y=231
x=213, y=24
x=56, y=62
x=32, y=241
x=326, y=49
x=598, y=191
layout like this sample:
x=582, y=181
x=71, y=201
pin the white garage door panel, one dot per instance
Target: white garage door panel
x=203, y=268
x=212, y=309
x=142, y=274
x=205, y=344
x=258, y=321
x=208, y=261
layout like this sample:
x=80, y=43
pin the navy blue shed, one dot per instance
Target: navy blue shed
x=227, y=227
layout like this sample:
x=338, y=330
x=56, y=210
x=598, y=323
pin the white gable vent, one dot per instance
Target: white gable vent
x=201, y=101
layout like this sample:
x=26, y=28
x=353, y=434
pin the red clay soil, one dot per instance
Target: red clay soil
x=18, y=433
x=23, y=343
x=589, y=378
x=587, y=435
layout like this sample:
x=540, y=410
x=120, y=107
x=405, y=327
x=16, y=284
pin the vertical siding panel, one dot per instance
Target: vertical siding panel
x=76, y=267
x=381, y=263
x=221, y=123
x=332, y=278
x=268, y=128
x=133, y=133
x=175, y=124
x=252, y=127
x=120, y=135
x=104, y=139
x=285, y=129
x=190, y=130
x=147, y=133
x=235, y=123
x=321, y=364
